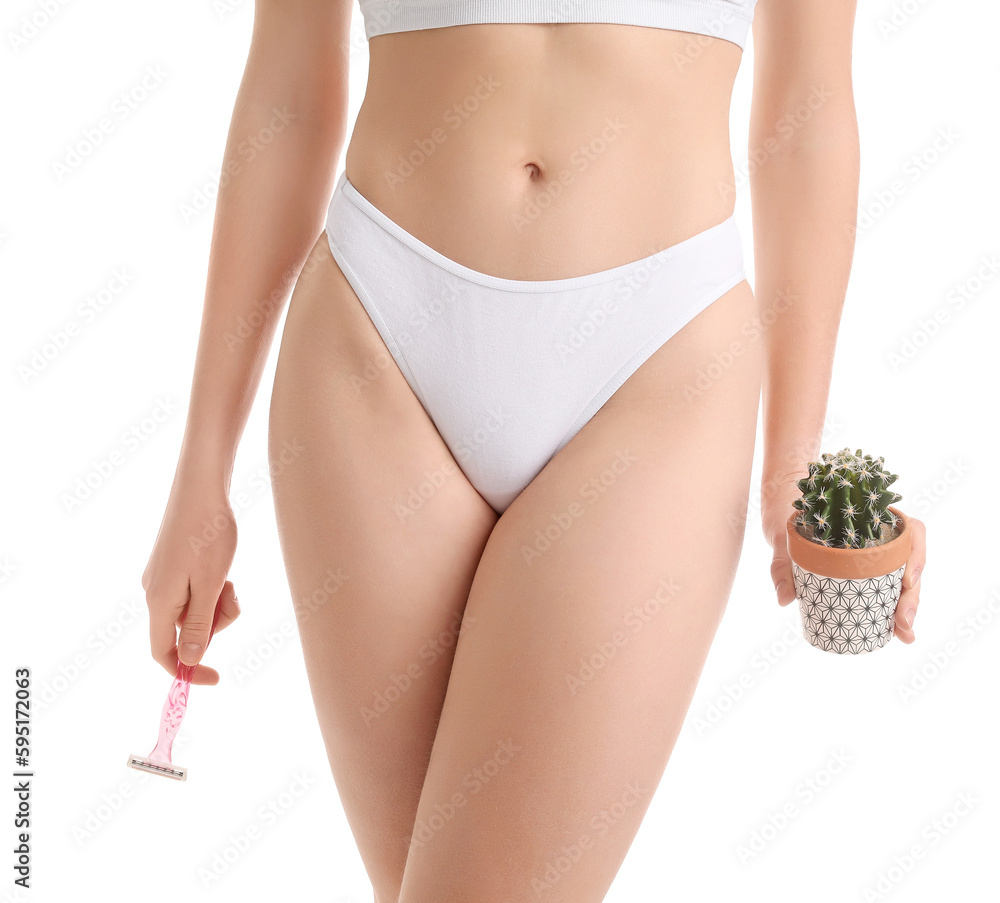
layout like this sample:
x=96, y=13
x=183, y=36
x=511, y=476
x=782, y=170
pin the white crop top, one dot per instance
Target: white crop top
x=728, y=19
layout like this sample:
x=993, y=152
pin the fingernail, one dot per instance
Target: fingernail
x=190, y=653
x=915, y=577
x=908, y=617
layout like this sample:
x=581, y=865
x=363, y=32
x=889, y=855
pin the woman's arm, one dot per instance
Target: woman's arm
x=805, y=155
x=284, y=144
x=804, y=194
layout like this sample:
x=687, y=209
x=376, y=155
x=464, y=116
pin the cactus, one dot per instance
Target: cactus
x=845, y=500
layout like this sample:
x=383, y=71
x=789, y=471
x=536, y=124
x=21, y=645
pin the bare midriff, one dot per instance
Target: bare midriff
x=546, y=151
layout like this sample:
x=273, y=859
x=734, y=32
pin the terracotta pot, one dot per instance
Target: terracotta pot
x=847, y=597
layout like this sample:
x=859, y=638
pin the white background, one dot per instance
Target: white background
x=70, y=585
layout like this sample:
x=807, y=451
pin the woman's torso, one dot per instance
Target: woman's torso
x=628, y=126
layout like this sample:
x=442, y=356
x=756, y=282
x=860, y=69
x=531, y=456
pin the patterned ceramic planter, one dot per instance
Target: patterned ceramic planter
x=847, y=597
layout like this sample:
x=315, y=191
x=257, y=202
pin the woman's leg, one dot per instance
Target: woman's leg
x=379, y=575
x=596, y=600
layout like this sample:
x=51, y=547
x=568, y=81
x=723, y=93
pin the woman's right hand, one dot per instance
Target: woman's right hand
x=185, y=577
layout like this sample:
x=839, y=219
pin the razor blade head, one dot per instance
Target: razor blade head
x=164, y=769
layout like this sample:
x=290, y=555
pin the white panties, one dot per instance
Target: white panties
x=510, y=370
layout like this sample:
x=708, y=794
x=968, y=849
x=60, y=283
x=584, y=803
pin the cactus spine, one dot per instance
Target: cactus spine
x=845, y=499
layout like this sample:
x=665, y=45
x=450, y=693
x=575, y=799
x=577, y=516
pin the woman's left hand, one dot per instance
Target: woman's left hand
x=776, y=508
x=909, y=598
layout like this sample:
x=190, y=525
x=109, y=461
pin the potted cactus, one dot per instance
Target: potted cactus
x=848, y=547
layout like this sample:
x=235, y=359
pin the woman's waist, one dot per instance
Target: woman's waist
x=548, y=155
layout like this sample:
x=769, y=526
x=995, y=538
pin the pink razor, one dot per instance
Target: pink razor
x=158, y=761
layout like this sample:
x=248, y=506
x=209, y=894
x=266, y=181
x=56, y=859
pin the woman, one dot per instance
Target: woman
x=511, y=440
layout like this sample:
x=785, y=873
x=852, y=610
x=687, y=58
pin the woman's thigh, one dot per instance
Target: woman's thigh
x=595, y=603
x=381, y=534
